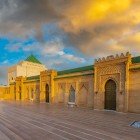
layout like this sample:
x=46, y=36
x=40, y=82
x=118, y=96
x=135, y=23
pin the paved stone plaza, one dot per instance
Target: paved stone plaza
x=31, y=121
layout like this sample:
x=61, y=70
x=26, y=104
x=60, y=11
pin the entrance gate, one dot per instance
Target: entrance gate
x=110, y=95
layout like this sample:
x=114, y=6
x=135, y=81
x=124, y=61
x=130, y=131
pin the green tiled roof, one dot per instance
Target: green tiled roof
x=33, y=77
x=138, y=68
x=86, y=68
x=136, y=59
x=74, y=76
x=33, y=59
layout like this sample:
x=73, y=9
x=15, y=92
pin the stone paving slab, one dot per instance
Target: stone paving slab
x=34, y=121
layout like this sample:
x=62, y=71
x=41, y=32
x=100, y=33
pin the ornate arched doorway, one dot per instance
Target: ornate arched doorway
x=110, y=95
x=72, y=95
x=47, y=94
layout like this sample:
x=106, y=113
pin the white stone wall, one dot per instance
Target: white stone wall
x=12, y=74
x=25, y=69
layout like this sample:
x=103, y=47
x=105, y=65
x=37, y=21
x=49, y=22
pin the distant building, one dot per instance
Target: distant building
x=112, y=83
x=29, y=67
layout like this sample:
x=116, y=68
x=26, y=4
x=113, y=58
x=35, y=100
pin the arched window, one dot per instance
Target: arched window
x=72, y=94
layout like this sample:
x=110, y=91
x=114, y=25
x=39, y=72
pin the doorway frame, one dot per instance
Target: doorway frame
x=110, y=79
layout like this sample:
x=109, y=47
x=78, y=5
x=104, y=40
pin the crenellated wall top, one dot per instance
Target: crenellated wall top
x=112, y=57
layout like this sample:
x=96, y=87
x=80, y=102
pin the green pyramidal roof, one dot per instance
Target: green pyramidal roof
x=33, y=59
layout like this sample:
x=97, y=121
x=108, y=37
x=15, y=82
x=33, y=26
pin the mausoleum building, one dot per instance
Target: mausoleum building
x=111, y=83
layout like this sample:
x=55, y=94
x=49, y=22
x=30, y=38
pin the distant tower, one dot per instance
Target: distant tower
x=31, y=66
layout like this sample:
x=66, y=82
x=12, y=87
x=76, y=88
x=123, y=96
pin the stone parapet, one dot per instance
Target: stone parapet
x=112, y=57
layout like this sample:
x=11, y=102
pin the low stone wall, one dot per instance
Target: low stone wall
x=4, y=93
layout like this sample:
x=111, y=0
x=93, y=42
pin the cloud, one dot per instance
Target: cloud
x=91, y=26
x=53, y=48
x=81, y=14
x=56, y=48
x=3, y=74
x=53, y=51
x=25, y=17
x=14, y=46
x=99, y=25
x=5, y=61
x=73, y=58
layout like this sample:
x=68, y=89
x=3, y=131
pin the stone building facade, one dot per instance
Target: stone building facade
x=112, y=83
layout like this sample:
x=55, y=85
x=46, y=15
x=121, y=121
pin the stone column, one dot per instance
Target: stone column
x=76, y=92
x=66, y=94
x=95, y=89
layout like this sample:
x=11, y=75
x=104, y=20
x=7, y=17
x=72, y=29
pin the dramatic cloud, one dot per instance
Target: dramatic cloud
x=99, y=25
x=56, y=48
x=90, y=25
x=53, y=51
x=25, y=17
x=51, y=28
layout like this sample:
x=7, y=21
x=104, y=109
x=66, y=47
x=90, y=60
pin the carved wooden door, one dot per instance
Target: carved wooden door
x=110, y=95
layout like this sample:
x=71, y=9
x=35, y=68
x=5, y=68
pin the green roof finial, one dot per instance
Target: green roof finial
x=32, y=59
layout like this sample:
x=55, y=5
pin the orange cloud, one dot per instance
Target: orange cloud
x=90, y=13
x=91, y=24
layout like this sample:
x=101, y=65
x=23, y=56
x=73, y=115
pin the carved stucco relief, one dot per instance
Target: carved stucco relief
x=110, y=71
x=73, y=84
x=61, y=92
x=77, y=87
x=83, y=84
x=83, y=94
x=62, y=86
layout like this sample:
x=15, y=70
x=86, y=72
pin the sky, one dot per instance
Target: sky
x=65, y=34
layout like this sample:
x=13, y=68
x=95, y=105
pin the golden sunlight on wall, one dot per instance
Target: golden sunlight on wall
x=4, y=93
x=134, y=94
